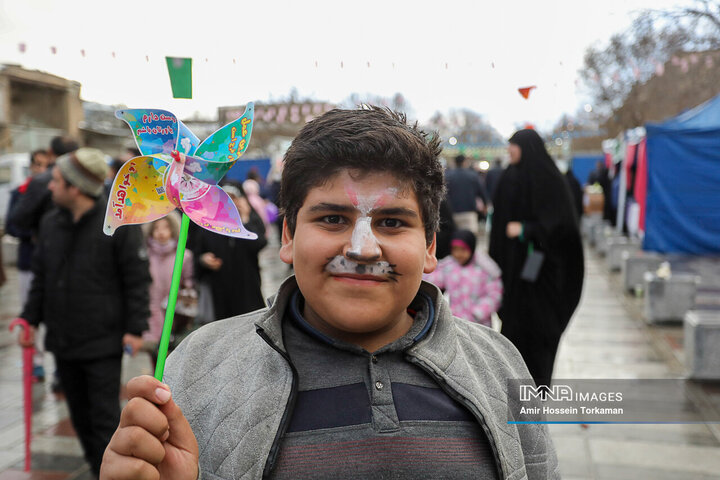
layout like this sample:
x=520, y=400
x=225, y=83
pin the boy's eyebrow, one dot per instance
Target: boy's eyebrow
x=337, y=208
x=331, y=207
x=395, y=211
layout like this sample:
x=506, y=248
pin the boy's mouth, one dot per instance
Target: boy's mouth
x=359, y=279
x=350, y=270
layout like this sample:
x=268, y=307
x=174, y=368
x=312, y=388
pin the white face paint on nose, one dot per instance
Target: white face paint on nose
x=363, y=242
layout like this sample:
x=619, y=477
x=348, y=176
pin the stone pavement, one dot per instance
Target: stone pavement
x=606, y=339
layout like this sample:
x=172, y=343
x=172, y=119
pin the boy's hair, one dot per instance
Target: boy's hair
x=369, y=139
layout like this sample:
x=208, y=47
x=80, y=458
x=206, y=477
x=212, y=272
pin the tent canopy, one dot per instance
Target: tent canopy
x=583, y=165
x=683, y=198
x=705, y=116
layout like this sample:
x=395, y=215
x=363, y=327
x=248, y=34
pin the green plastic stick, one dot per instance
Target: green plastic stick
x=172, y=298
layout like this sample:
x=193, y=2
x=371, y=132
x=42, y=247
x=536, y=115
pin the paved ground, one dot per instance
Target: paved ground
x=606, y=339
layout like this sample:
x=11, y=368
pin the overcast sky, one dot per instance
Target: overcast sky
x=440, y=55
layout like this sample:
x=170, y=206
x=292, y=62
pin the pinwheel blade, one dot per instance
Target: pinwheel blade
x=205, y=170
x=187, y=142
x=137, y=194
x=155, y=131
x=215, y=211
x=158, y=131
x=224, y=147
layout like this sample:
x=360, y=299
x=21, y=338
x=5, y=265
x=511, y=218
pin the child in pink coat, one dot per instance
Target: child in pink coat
x=470, y=278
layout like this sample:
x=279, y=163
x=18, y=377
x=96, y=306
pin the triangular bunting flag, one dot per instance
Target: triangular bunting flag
x=525, y=91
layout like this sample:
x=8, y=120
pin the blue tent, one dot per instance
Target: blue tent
x=583, y=165
x=239, y=171
x=683, y=197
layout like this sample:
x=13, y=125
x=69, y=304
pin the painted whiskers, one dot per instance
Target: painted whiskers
x=342, y=265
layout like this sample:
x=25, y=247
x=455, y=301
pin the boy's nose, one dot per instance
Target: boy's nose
x=363, y=245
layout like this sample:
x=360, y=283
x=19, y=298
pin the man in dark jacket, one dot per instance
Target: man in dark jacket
x=91, y=291
x=25, y=214
x=464, y=189
x=37, y=200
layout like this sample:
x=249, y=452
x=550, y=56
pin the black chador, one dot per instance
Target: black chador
x=535, y=313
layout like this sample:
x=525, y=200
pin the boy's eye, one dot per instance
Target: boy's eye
x=391, y=223
x=333, y=219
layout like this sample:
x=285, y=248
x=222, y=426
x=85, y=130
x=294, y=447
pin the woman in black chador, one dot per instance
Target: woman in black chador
x=230, y=265
x=534, y=213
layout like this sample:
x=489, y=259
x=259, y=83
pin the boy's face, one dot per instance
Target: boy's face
x=359, y=252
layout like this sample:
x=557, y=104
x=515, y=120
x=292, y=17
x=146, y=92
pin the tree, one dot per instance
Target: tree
x=466, y=126
x=633, y=56
x=397, y=102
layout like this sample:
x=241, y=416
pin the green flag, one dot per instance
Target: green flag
x=180, y=70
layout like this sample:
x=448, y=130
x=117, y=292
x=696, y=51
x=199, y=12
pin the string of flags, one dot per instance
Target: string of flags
x=180, y=69
x=342, y=64
x=684, y=62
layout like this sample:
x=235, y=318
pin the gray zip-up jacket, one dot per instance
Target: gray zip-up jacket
x=236, y=385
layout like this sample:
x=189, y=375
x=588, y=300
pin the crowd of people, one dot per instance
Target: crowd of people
x=369, y=342
x=88, y=298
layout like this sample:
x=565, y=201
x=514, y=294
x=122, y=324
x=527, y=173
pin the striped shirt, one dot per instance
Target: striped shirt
x=374, y=415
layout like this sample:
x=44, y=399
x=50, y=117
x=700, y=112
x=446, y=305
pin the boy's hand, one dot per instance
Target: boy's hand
x=154, y=440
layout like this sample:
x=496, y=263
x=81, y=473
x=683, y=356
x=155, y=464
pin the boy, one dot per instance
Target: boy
x=357, y=369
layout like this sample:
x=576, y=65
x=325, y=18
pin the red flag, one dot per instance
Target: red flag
x=53, y=50
x=525, y=91
x=22, y=47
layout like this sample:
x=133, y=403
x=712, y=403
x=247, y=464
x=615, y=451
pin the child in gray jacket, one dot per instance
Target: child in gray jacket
x=357, y=369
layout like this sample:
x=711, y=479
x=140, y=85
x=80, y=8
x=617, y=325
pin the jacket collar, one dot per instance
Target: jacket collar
x=271, y=320
x=441, y=332
x=67, y=215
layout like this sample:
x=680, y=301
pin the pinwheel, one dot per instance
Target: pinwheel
x=177, y=171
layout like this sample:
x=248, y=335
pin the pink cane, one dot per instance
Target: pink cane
x=27, y=384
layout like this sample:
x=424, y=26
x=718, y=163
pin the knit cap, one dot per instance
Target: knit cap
x=85, y=168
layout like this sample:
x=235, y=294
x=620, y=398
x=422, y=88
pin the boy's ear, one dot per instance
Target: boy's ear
x=286, y=249
x=430, y=258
